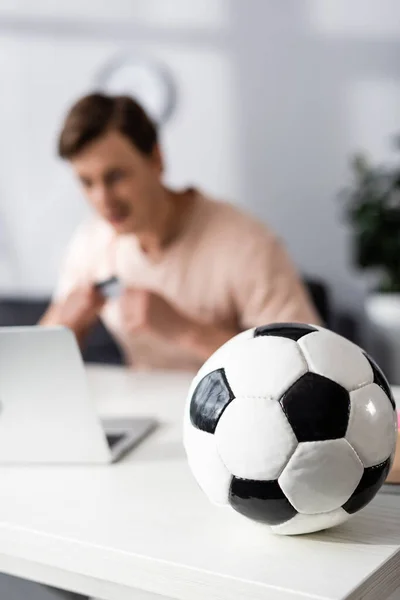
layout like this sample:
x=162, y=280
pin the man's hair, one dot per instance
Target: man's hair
x=93, y=115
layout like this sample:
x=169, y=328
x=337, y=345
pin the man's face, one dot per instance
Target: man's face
x=121, y=184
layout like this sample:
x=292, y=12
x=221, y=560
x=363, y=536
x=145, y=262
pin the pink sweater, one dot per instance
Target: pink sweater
x=225, y=268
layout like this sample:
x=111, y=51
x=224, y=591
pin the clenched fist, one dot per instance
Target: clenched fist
x=142, y=310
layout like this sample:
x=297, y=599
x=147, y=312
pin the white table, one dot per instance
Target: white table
x=142, y=529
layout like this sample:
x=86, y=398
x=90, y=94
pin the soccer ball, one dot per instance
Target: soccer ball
x=291, y=425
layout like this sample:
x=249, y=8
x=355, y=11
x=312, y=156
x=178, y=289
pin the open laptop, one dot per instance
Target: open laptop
x=46, y=412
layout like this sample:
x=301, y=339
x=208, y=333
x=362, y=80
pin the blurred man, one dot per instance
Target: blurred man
x=194, y=272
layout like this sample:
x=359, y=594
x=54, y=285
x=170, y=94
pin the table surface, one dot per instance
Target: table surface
x=143, y=524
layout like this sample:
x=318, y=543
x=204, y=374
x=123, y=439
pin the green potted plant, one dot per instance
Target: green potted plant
x=372, y=208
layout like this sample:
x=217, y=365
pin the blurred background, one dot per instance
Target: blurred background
x=261, y=103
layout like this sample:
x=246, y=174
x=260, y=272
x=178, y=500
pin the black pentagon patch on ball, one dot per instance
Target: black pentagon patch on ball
x=292, y=331
x=262, y=501
x=368, y=487
x=380, y=379
x=317, y=408
x=210, y=398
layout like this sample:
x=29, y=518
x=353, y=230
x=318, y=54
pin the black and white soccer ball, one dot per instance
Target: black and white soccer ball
x=291, y=425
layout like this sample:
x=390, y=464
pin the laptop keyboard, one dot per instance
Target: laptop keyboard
x=113, y=438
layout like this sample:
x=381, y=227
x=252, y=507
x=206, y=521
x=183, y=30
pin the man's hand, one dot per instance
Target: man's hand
x=78, y=311
x=145, y=311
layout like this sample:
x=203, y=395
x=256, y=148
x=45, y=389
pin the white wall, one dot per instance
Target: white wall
x=318, y=80
x=273, y=98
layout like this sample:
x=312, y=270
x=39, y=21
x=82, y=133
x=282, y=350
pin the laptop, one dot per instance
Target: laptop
x=47, y=414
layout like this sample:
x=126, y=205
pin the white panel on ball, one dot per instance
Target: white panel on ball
x=264, y=367
x=321, y=476
x=220, y=357
x=311, y=523
x=372, y=428
x=210, y=472
x=333, y=356
x=254, y=438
